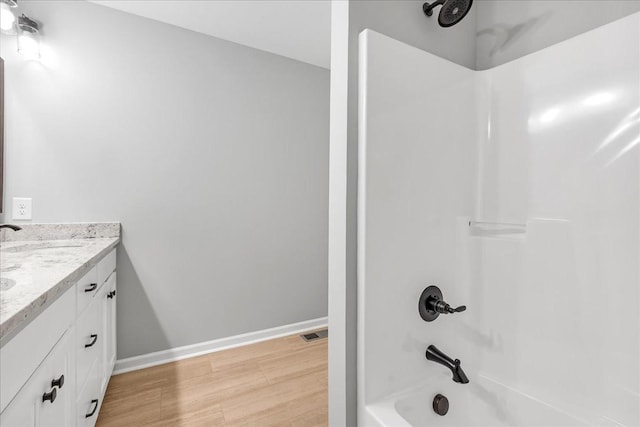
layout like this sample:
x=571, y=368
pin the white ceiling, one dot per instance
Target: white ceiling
x=298, y=29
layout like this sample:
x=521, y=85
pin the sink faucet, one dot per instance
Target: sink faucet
x=13, y=227
x=437, y=356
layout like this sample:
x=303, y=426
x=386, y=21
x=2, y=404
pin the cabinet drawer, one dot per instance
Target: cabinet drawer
x=22, y=355
x=89, y=340
x=106, y=267
x=88, y=403
x=86, y=289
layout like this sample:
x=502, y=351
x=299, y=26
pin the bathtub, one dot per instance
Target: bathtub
x=481, y=402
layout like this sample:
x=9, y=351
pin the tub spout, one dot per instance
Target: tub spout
x=435, y=355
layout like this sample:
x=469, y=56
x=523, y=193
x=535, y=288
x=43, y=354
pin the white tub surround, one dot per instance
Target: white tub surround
x=516, y=190
x=41, y=262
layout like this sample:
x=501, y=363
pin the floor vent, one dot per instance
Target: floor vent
x=312, y=336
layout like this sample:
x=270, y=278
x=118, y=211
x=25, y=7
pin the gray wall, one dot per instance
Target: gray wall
x=405, y=21
x=509, y=29
x=214, y=157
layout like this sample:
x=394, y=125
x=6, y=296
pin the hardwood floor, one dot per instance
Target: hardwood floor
x=281, y=382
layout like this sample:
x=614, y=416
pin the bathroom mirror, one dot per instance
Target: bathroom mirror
x=1, y=129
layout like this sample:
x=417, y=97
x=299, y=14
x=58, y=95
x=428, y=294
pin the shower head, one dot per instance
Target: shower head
x=452, y=11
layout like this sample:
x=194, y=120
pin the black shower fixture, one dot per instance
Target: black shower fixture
x=452, y=11
x=432, y=304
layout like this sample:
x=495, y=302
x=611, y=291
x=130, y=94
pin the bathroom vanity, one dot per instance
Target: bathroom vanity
x=57, y=323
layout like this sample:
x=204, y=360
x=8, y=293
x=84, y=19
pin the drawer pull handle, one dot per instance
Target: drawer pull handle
x=58, y=383
x=111, y=294
x=94, y=339
x=94, y=402
x=51, y=396
x=92, y=287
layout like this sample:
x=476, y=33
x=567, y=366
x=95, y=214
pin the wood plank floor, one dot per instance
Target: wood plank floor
x=281, y=382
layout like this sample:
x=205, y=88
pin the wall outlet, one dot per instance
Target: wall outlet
x=22, y=208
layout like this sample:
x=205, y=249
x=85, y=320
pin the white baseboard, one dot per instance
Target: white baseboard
x=178, y=353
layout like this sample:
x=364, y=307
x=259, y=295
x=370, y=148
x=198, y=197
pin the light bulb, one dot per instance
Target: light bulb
x=28, y=37
x=28, y=45
x=7, y=18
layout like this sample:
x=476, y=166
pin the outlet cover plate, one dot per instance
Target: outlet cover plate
x=21, y=208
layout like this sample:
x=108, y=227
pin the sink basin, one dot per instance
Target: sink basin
x=39, y=247
x=6, y=284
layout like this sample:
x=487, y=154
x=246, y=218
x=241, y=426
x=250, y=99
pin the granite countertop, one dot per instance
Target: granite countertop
x=35, y=272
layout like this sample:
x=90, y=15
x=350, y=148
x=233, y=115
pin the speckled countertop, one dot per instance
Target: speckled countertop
x=35, y=272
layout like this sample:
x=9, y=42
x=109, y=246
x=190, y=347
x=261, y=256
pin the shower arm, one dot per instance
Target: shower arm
x=428, y=8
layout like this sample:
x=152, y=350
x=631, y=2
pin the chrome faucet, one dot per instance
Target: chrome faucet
x=13, y=227
x=437, y=356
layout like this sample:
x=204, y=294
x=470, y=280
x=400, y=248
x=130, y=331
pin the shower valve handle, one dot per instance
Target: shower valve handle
x=444, y=308
x=432, y=304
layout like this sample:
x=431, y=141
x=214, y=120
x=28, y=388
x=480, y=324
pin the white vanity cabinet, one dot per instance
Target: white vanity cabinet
x=56, y=370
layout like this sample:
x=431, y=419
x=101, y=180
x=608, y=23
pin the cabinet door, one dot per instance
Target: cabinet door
x=21, y=412
x=47, y=398
x=57, y=375
x=109, y=314
x=105, y=297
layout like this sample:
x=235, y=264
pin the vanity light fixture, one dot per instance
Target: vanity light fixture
x=28, y=37
x=7, y=18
